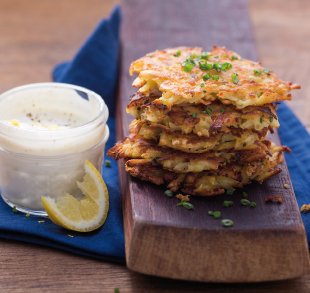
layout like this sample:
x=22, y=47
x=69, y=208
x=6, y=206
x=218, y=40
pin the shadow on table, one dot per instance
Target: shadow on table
x=156, y=284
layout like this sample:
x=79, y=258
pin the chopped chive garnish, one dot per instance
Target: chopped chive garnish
x=168, y=193
x=226, y=66
x=227, y=223
x=261, y=119
x=177, y=53
x=116, y=290
x=270, y=119
x=233, y=57
x=257, y=72
x=208, y=111
x=202, y=84
x=205, y=65
x=204, y=91
x=14, y=210
x=217, y=66
x=222, y=110
x=230, y=191
x=204, y=55
x=234, y=78
x=186, y=204
x=253, y=204
x=194, y=115
x=188, y=65
x=244, y=194
x=245, y=202
x=216, y=214
x=107, y=163
x=206, y=76
x=228, y=203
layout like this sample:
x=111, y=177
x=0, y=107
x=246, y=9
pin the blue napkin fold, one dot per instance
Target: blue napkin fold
x=107, y=243
x=95, y=67
x=294, y=135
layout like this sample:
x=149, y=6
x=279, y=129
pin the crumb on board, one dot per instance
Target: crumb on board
x=305, y=208
x=274, y=199
x=182, y=197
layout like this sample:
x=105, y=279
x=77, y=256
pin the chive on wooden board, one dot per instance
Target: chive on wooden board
x=266, y=243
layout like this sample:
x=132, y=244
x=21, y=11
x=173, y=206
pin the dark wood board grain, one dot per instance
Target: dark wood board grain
x=32, y=268
x=267, y=243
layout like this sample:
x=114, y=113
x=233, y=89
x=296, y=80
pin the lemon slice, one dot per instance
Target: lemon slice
x=85, y=214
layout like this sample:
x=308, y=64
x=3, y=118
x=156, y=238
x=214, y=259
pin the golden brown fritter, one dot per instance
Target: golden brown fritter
x=200, y=119
x=175, y=161
x=208, y=183
x=190, y=76
x=236, y=139
x=180, y=162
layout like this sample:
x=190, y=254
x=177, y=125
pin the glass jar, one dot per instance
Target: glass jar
x=47, y=131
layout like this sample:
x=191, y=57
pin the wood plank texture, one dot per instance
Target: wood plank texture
x=35, y=35
x=164, y=240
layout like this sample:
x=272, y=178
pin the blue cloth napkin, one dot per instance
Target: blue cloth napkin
x=95, y=66
x=294, y=135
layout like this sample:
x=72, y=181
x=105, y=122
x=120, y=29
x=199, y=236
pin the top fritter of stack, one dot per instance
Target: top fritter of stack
x=207, y=76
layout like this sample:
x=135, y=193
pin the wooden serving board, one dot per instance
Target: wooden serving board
x=266, y=243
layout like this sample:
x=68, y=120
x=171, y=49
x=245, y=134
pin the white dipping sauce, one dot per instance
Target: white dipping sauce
x=47, y=131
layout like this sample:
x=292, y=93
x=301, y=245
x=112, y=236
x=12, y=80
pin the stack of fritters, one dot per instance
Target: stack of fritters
x=201, y=121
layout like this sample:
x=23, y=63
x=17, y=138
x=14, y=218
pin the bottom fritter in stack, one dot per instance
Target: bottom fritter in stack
x=201, y=121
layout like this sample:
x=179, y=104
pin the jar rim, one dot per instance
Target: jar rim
x=101, y=117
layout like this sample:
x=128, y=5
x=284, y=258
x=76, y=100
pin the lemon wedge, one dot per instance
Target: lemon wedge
x=85, y=214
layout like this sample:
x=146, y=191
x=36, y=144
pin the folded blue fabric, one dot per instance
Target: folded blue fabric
x=294, y=135
x=107, y=243
x=95, y=67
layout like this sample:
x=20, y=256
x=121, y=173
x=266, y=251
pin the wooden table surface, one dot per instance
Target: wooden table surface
x=37, y=34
